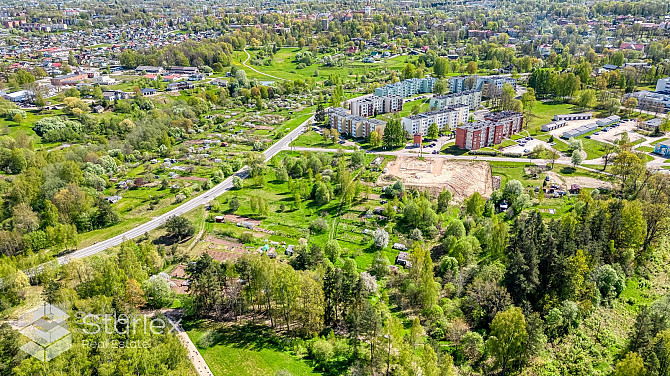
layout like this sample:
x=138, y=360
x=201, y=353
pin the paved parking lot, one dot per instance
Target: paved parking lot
x=529, y=146
x=571, y=124
x=615, y=132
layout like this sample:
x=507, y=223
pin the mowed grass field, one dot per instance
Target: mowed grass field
x=246, y=351
x=543, y=113
x=283, y=66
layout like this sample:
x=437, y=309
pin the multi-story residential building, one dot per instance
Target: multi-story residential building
x=373, y=105
x=353, y=125
x=663, y=85
x=651, y=101
x=491, y=85
x=486, y=84
x=457, y=84
x=472, y=98
x=407, y=88
x=492, y=130
x=446, y=118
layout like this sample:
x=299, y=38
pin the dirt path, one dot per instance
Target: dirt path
x=196, y=239
x=193, y=354
x=256, y=70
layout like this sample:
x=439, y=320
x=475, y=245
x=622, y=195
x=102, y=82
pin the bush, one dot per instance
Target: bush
x=322, y=350
x=319, y=225
x=483, y=152
x=246, y=237
x=512, y=155
x=208, y=339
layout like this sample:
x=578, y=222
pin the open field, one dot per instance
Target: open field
x=543, y=113
x=245, y=351
x=284, y=66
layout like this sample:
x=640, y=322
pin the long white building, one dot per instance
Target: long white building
x=446, y=118
x=472, y=98
x=663, y=85
x=407, y=88
x=487, y=84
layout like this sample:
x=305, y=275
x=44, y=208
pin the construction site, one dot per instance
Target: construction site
x=461, y=178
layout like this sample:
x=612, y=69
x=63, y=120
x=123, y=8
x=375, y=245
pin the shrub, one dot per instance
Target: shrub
x=483, y=152
x=319, y=225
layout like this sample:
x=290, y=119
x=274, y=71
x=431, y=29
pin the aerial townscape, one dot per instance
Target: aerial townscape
x=362, y=188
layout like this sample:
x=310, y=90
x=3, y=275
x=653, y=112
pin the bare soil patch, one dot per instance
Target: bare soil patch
x=582, y=181
x=462, y=178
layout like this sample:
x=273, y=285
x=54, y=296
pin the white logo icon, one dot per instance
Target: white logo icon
x=46, y=327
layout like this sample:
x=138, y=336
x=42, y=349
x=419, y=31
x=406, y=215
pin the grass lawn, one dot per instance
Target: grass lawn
x=453, y=150
x=314, y=140
x=245, y=351
x=284, y=66
x=598, y=167
x=543, y=113
x=514, y=170
x=646, y=149
x=594, y=149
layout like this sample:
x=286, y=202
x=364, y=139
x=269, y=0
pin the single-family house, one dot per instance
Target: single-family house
x=148, y=91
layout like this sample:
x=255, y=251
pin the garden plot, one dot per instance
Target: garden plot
x=462, y=178
x=223, y=249
x=582, y=181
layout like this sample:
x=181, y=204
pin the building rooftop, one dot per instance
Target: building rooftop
x=431, y=113
x=453, y=95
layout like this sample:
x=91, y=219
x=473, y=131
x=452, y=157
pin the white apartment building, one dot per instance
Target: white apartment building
x=457, y=84
x=373, y=105
x=407, y=88
x=446, y=118
x=472, y=98
x=663, y=85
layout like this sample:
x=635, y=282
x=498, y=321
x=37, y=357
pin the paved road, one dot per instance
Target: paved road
x=415, y=153
x=204, y=198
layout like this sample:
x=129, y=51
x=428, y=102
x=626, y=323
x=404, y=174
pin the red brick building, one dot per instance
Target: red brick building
x=495, y=127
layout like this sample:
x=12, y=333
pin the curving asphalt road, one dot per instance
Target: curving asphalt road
x=204, y=198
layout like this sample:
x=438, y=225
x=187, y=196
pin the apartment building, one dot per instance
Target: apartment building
x=651, y=101
x=446, y=118
x=353, y=125
x=457, y=84
x=485, y=84
x=496, y=127
x=492, y=85
x=374, y=105
x=471, y=98
x=663, y=85
x=407, y=88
